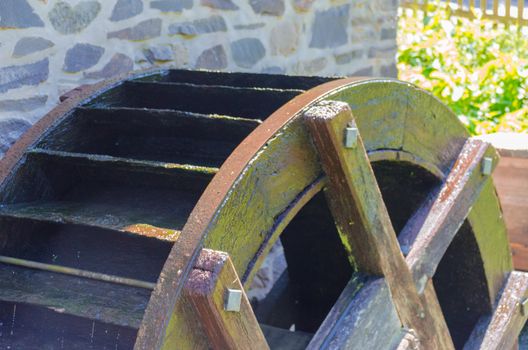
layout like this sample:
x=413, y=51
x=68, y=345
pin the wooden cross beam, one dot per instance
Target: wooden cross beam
x=365, y=228
x=364, y=224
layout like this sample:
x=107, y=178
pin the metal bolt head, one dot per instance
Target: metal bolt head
x=233, y=300
x=524, y=307
x=351, y=136
x=487, y=164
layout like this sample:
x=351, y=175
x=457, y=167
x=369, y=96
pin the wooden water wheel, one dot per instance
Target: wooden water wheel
x=385, y=208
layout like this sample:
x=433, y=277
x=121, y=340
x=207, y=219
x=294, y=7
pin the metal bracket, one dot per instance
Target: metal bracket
x=487, y=164
x=351, y=137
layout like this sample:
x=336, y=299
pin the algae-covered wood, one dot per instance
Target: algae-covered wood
x=282, y=174
x=363, y=221
x=207, y=289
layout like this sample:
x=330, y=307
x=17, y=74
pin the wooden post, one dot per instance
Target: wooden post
x=208, y=288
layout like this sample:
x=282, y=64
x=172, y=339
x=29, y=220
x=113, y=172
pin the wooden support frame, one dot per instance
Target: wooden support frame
x=433, y=226
x=364, y=224
x=209, y=282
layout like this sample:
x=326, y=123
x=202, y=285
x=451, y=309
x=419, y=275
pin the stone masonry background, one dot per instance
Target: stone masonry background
x=49, y=47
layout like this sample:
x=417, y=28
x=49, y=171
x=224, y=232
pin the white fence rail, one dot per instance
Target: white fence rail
x=507, y=12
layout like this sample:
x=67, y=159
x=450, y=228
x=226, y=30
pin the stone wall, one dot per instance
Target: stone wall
x=48, y=47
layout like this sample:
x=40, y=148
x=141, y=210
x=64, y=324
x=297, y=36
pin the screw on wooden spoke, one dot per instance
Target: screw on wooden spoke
x=364, y=224
x=500, y=330
x=433, y=226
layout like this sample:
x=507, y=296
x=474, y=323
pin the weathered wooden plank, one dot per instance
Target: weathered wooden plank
x=100, y=301
x=364, y=317
x=148, y=166
x=363, y=222
x=167, y=136
x=501, y=329
x=237, y=79
x=114, y=216
x=84, y=247
x=431, y=229
x=207, y=289
x=254, y=103
x=30, y=327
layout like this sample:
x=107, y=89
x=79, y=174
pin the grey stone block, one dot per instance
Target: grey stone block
x=247, y=52
x=26, y=46
x=171, y=5
x=10, y=130
x=213, y=58
x=119, y=64
x=67, y=20
x=159, y=53
x=81, y=57
x=24, y=104
x=348, y=57
x=220, y=4
x=330, y=27
x=200, y=26
x=250, y=26
x=284, y=38
x=125, y=9
x=148, y=29
x=18, y=14
x=268, y=7
x=13, y=77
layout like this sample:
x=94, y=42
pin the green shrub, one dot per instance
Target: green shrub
x=479, y=70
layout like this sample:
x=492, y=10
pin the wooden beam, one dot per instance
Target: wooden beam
x=501, y=329
x=431, y=229
x=363, y=221
x=207, y=290
x=354, y=321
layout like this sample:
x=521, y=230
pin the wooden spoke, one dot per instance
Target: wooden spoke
x=364, y=224
x=361, y=306
x=432, y=228
x=227, y=327
x=502, y=328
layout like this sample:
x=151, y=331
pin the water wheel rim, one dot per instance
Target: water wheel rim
x=155, y=324
x=209, y=208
